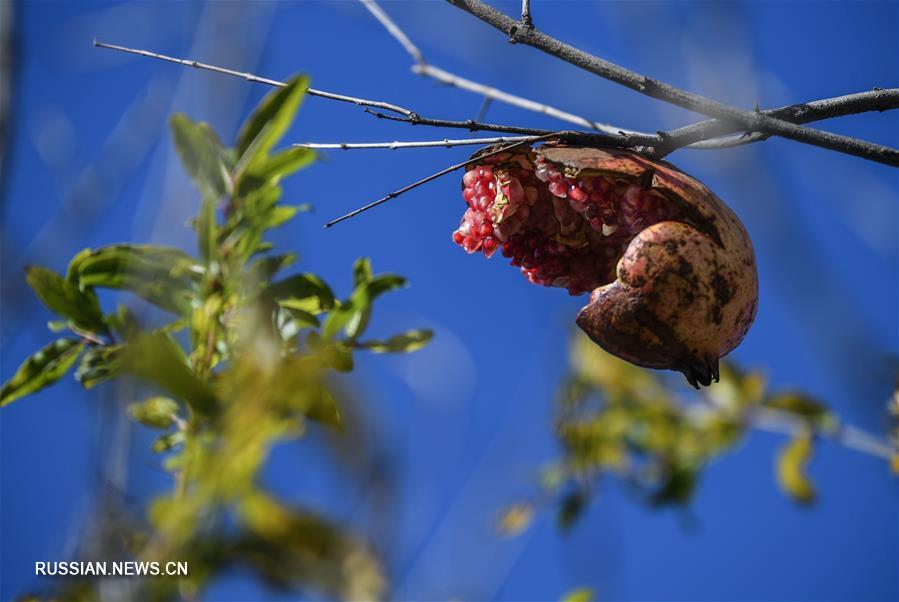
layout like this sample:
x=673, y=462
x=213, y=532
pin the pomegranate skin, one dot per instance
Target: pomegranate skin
x=686, y=292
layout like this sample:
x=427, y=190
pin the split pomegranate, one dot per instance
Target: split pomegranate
x=671, y=268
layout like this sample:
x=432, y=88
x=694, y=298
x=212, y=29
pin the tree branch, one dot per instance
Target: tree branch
x=362, y=102
x=445, y=143
x=702, y=134
x=848, y=436
x=440, y=173
x=630, y=140
x=422, y=67
x=749, y=121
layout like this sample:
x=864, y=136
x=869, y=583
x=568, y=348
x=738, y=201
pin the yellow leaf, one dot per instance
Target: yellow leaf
x=515, y=519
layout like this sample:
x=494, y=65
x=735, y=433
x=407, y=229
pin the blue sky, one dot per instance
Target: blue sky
x=463, y=424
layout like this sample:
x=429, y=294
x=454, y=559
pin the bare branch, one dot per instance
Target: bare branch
x=446, y=143
x=850, y=437
x=362, y=102
x=436, y=175
x=421, y=67
x=477, y=126
x=749, y=121
x=394, y=30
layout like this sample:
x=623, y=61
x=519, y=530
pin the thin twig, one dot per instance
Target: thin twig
x=476, y=126
x=422, y=67
x=362, y=102
x=749, y=121
x=394, y=30
x=415, y=144
x=850, y=437
x=436, y=175
x=832, y=107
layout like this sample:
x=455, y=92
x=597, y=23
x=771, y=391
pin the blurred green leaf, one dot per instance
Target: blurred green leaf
x=402, y=343
x=284, y=163
x=99, y=364
x=362, y=271
x=277, y=216
x=207, y=228
x=64, y=298
x=291, y=321
x=582, y=594
x=270, y=121
x=804, y=407
x=678, y=486
x=43, y=368
x=339, y=357
x=305, y=292
x=164, y=276
x=296, y=548
x=261, y=271
x=791, y=465
x=202, y=155
x=571, y=509
x=326, y=411
x=156, y=412
x=168, y=441
x=157, y=358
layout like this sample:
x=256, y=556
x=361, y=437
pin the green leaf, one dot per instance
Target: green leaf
x=168, y=441
x=164, y=276
x=64, y=298
x=207, y=231
x=99, y=364
x=402, y=343
x=326, y=411
x=41, y=369
x=277, y=216
x=677, y=488
x=284, y=163
x=362, y=271
x=264, y=269
x=305, y=292
x=791, y=465
x=291, y=321
x=202, y=155
x=155, y=412
x=339, y=357
x=804, y=407
x=352, y=315
x=270, y=121
x=155, y=357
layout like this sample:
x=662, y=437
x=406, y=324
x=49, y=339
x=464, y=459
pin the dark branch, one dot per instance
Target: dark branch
x=443, y=172
x=702, y=134
x=749, y=121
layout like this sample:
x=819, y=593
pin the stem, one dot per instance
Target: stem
x=750, y=121
x=436, y=175
x=850, y=437
x=445, y=143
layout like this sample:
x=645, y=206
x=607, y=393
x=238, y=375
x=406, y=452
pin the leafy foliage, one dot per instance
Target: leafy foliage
x=255, y=369
x=616, y=420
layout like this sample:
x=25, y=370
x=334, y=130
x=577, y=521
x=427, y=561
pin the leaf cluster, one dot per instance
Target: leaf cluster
x=244, y=360
x=618, y=421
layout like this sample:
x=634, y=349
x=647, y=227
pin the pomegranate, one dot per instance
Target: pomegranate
x=671, y=268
